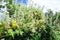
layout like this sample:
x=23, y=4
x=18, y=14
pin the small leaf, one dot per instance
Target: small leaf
x=21, y=32
x=11, y=32
x=17, y=32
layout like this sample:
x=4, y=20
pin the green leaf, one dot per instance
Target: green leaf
x=17, y=31
x=21, y=32
x=0, y=0
x=11, y=32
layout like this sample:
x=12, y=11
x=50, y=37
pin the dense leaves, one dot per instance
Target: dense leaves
x=29, y=23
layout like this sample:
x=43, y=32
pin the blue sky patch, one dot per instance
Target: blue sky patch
x=22, y=1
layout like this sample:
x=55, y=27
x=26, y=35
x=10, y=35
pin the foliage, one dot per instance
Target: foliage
x=29, y=23
x=26, y=22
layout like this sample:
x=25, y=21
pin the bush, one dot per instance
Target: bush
x=29, y=23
